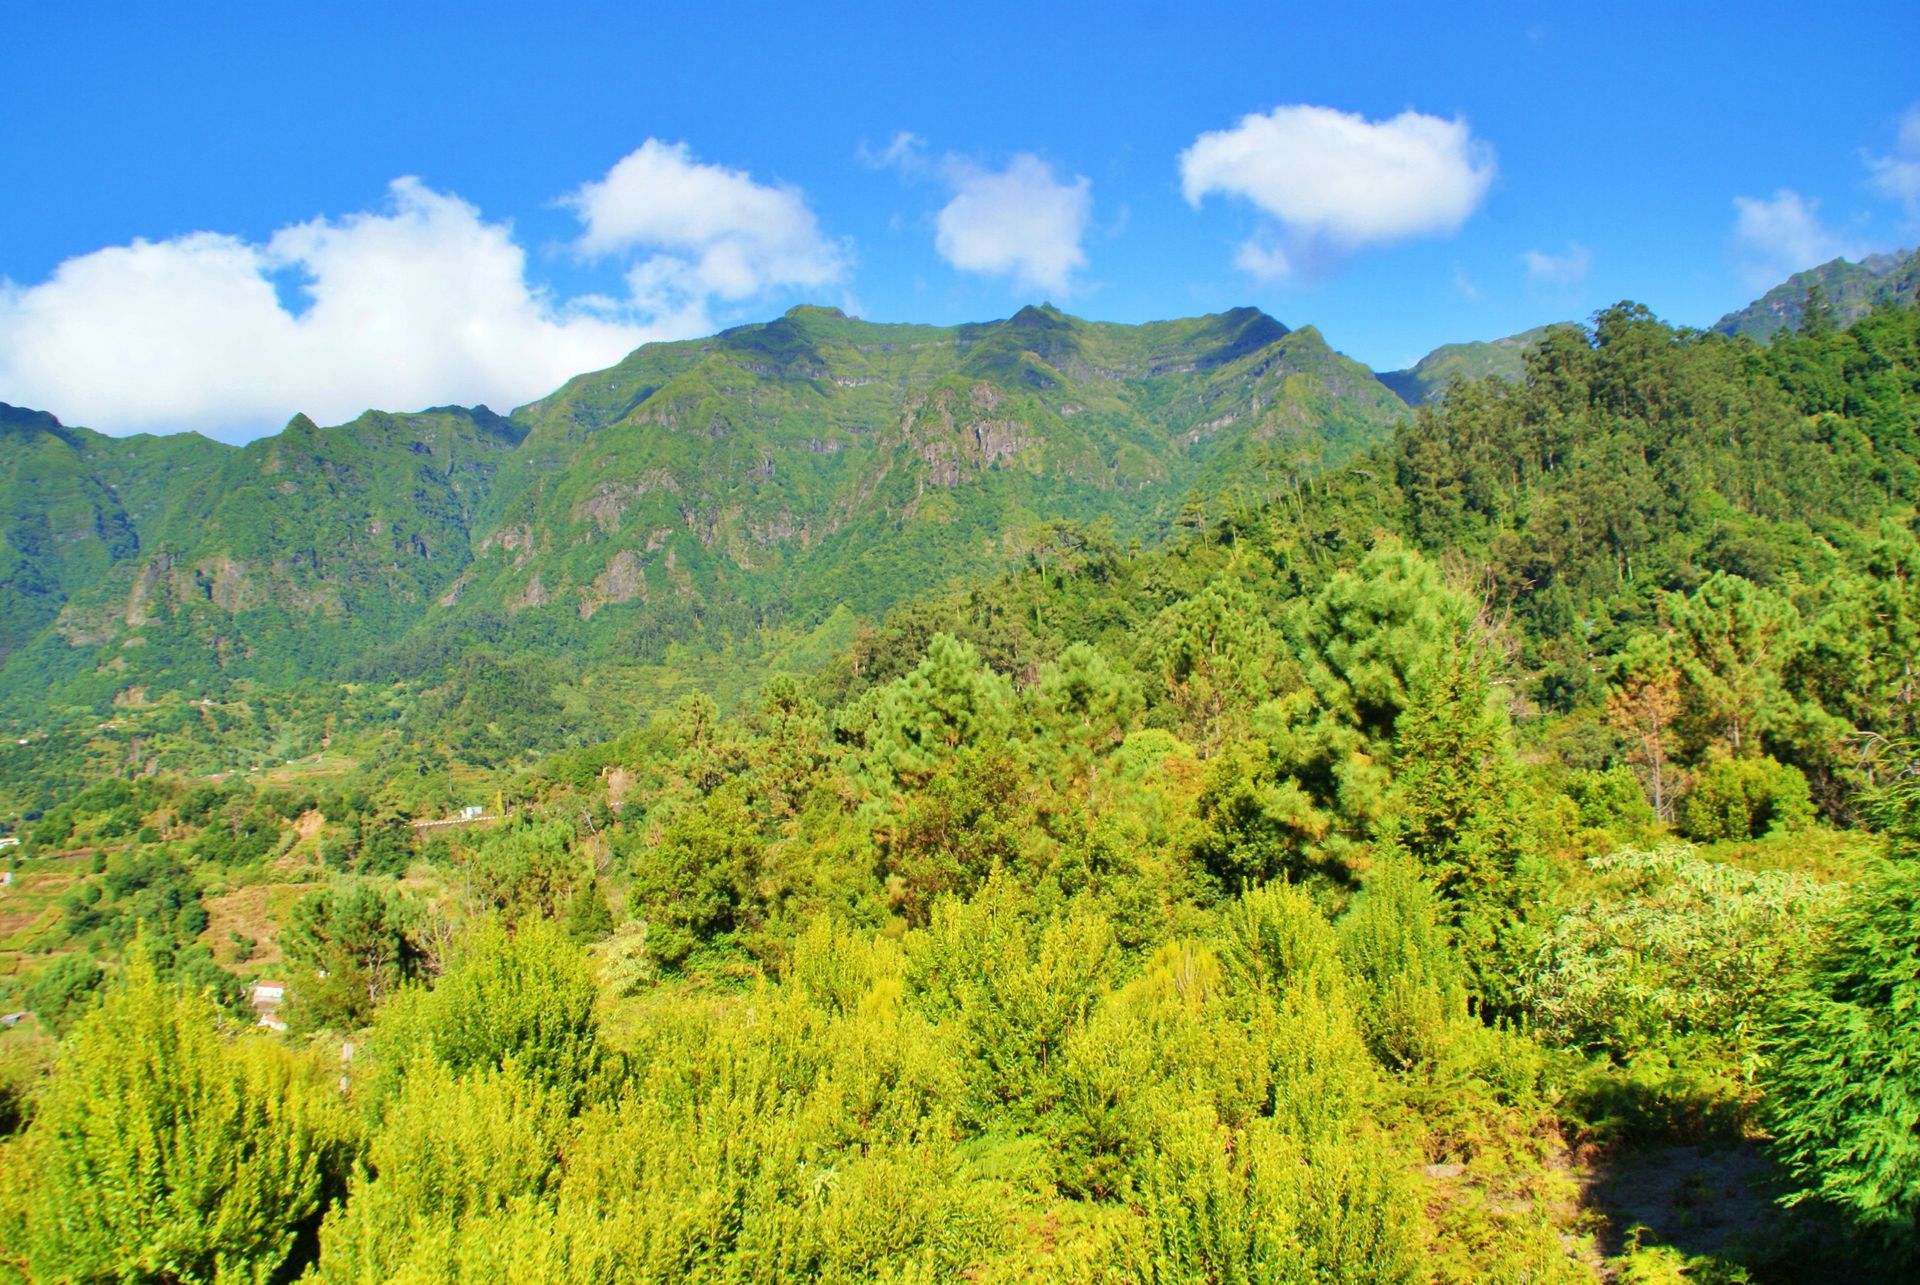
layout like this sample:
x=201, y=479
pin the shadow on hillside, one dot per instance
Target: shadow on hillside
x=1718, y=1204
x=1713, y=1199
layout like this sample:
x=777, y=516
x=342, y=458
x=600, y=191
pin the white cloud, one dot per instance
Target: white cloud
x=421, y=303
x=1334, y=181
x=906, y=151
x=1898, y=175
x=1775, y=237
x=707, y=231
x=1263, y=261
x=1020, y=222
x=1566, y=269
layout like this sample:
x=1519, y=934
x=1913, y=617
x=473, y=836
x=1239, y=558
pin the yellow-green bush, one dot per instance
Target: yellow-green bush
x=163, y=1150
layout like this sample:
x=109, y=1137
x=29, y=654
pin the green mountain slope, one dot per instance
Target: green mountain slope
x=1851, y=290
x=817, y=459
x=73, y=504
x=187, y=562
x=693, y=493
x=1429, y=377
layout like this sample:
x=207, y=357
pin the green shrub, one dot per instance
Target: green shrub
x=1612, y=800
x=449, y=1151
x=1011, y=988
x=1663, y=970
x=1745, y=799
x=1259, y=1206
x=1669, y=947
x=1411, y=984
x=527, y=998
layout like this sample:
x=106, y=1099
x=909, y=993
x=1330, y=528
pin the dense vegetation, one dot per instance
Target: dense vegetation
x=1338, y=892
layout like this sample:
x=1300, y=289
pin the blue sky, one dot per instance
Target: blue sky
x=219, y=215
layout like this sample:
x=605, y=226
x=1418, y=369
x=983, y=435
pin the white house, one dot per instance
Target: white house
x=266, y=998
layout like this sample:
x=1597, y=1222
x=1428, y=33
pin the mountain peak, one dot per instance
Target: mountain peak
x=23, y=420
x=1250, y=328
x=1427, y=379
x=1040, y=317
x=813, y=312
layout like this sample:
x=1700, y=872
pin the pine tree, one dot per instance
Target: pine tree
x=1845, y=1057
x=1844, y=1047
x=949, y=701
x=351, y=948
x=1733, y=640
x=1215, y=653
x=1082, y=709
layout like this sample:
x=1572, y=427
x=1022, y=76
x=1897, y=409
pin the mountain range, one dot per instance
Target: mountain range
x=770, y=473
x=786, y=475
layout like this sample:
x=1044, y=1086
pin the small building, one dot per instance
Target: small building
x=6, y=878
x=11, y=1020
x=266, y=998
x=10, y=841
x=472, y=812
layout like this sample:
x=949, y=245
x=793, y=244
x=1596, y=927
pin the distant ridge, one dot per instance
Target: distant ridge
x=1428, y=378
x=1852, y=290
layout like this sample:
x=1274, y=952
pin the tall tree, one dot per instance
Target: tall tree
x=1643, y=702
x=950, y=700
x=1733, y=640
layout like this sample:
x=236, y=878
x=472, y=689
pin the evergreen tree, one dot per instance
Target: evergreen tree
x=1733, y=641
x=949, y=701
x=1844, y=1048
x=1369, y=639
x=351, y=948
x=1082, y=709
x=1214, y=652
x=1845, y=1057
